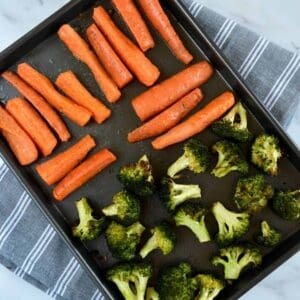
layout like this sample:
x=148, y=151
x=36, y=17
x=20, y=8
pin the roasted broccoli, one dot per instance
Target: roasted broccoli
x=232, y=225
x=163, y=238
x=152, y=294
x=125, y=208
x=195, y=157
x=230, y=158
x=173, y=194
x=138, y=177
x=266, y=152
x=193, y=217
x=89, y=228
x=131, y=279
x=267, y=236
x=235, y=258
x=176, y=283
x=287, y=204
x=123, y=241
x=252, y=193
x=209, y=286
x=234, y=125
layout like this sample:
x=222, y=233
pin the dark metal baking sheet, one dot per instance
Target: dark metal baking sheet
x=43, y=50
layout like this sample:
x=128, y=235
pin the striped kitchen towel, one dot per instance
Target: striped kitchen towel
x=28, y=244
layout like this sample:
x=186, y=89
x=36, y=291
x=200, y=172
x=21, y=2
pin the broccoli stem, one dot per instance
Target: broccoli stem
x=150, y=245
x=241, y=112
x=184, y=192
x=180, y=164
x=111, y=210
x=232, y=269
x=125, y=289
x=141, y=286
x=199, y=229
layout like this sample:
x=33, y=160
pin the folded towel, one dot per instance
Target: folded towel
x=28, y=244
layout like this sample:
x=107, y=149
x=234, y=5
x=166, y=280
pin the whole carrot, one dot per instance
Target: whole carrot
x=18, y=140
x=44, y=86
x=162, y=24
x=59, y=166
x=72, y=87
x=39, y=103
x=108, y=57
x=33, y=124
x=80, y=49
x=146, y=72
x=164, y=94
x=83, y=173
x=168, y=118
x=196, y=123
x=135, y=23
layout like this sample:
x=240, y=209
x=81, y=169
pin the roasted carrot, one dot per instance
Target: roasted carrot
x=146, y=72
x=168, y=118
x=33, y=124
x=18, y=140
x=72, y=87
x=40, y=104
x=108, y=57
x=196, y=123
x=44, y=86
x=80, y=49
x=135, y=23
x=59, y=166
x=162, y=24
x=169, y=91
x=83, y=173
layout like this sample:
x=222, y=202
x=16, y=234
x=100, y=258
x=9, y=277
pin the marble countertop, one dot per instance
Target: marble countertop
x=278, y=23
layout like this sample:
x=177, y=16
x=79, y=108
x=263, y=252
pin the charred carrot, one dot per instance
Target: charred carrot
x=135, y=23
x=169, y=91
x=44, y=86
x=108, y=57
x=168, y=118
x=59, y=166
x=162, y=24
x=196, y=123
x=83, y=173
x=146, y=72
x=18, y=140
x=72, y=87
x=80, y=49
x=33, y=124
x=40, y=104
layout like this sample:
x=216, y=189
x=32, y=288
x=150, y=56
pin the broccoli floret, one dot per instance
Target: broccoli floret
x=89, y=228
x=173, y=194
x=234, y=125
x=131, y=279
x=232, y=225
x=209, y=286
x=123, y=241
x=138, y=177
x=193, y=217
x=176, y=283
x=235, y=258
x=268, y=236
x=266, y=152
x=125, y=208
x=152, y=294
x=287, y=204
x=195, y=157
x=230, y=158
x=252, y=194
x=163, y=238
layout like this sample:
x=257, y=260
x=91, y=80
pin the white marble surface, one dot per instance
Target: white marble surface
x=276, y=20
